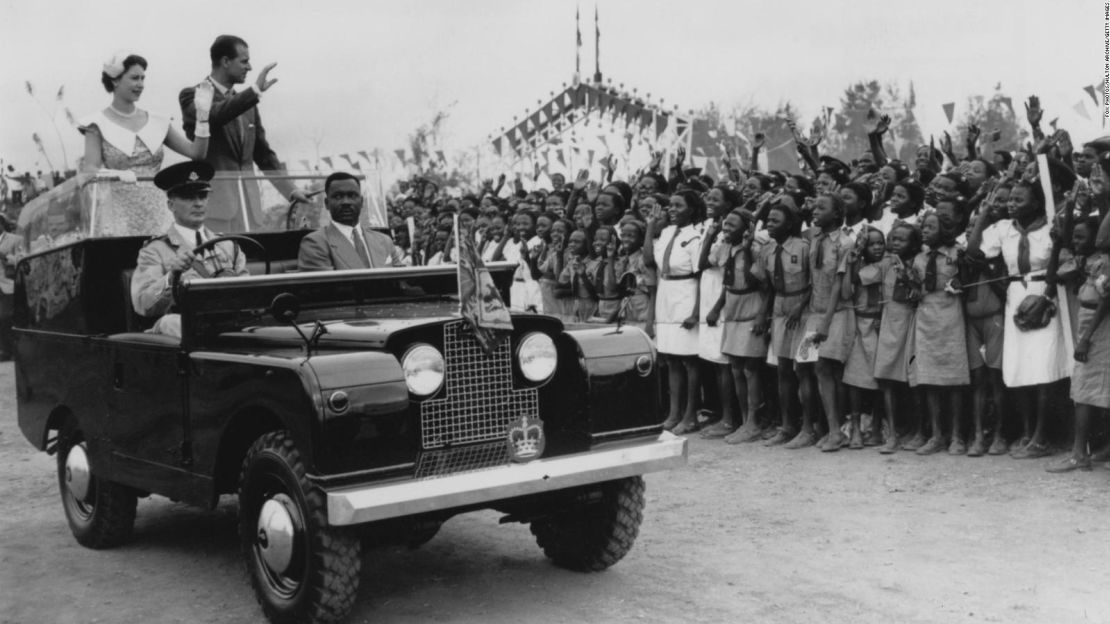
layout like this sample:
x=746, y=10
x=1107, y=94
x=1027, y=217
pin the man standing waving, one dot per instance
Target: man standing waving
x=238, y=140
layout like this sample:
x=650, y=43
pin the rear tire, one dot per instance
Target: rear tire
x=597, y=531
x=101, y=514
x=301, y=569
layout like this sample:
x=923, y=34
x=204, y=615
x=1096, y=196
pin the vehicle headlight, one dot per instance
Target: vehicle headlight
x=537, y=358
x=423, y=366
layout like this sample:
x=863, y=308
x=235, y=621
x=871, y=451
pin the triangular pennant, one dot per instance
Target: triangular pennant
x=660, y=124
x=589, y=158
x=1009, y=104
x=400, y=156
x=327, y=161
x=560, y=157
x=603, y=101
x=497, y=146
x=1081, y=108
x=604, y=141
x=949, y=110
x=1090, y=89
x=307, y=165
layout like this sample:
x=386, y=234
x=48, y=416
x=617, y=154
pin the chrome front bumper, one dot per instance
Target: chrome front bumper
x=359, y=504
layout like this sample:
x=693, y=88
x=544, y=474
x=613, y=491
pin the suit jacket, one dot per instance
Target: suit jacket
x=238, y=143
x=150, y=283
x=327, y=249
x=9, y=246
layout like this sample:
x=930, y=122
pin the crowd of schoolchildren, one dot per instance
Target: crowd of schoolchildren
x=953, y=304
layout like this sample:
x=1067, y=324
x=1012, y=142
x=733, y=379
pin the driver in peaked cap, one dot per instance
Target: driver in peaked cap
x=186, y=185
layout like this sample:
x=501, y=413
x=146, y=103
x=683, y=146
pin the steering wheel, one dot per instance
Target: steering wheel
x=175, y=276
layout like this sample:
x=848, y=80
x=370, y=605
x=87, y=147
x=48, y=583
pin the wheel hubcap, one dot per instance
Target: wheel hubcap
x=278, y=527
x=77, y=472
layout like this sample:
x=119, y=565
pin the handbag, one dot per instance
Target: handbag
x=1034, y=312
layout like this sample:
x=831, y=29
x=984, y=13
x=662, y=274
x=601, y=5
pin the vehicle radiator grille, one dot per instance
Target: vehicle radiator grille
x=468, y=458
x=479, y=402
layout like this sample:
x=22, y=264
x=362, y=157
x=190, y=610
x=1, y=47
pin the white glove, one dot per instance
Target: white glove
x=203, y=101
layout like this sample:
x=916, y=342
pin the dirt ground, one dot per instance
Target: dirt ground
x=741, y=534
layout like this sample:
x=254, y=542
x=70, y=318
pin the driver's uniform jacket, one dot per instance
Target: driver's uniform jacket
x=150, y=283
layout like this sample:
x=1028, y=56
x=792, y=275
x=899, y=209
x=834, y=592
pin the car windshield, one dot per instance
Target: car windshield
x=90, y=206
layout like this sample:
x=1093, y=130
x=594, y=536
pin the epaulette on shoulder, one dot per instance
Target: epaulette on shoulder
x=162, y=237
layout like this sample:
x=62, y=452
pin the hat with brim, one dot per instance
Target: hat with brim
x=183, y=178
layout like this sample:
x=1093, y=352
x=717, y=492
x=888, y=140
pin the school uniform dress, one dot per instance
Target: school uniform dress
x=828, y=252
x=604, y=278
x=940, y=346
x=636, y=304
x=677, y=251
x=524, y=294
x=709, y=338
x=583, y=305
x=1090, y=380
x=744, y=301
x=1031, y=357
x=548, y=283
x=867, y=295
x=896, y=328
x=787, y=266
x=983, y=313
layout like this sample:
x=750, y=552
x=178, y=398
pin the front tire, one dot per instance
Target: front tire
x=101, y=514
x=301, y=569
x=596, y=531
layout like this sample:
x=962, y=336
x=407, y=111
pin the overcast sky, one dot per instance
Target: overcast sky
x=354, y=75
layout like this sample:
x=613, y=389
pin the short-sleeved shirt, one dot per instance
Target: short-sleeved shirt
x=684, y=253
x=1002, y=239
x=795, y=271
x=634, y=263
x=724, y=253
x=830, y=250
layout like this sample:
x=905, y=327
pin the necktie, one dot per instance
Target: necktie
x=360, y=247
x=1023, y=252
x=665, y=269
x=872, y=296
x=599, y=278
x=819, y=261
x=778, y=277
x=1023, y=263
x=931, y=272
x=730, y=269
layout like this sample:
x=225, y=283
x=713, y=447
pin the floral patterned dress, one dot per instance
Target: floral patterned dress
x=124, y=209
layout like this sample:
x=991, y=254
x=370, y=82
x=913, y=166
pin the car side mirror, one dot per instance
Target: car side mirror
x=285, y=308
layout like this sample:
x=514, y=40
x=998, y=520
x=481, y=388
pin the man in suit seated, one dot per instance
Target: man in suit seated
x=186, y=186
x=345, y=243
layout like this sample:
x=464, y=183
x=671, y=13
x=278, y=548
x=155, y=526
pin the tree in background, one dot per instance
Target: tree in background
x=990, y=114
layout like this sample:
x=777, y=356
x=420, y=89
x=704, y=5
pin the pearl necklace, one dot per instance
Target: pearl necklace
x=123, y=114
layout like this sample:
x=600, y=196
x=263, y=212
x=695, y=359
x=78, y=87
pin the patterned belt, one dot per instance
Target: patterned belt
x=680, y=277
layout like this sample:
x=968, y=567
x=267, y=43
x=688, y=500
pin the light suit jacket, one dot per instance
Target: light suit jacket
x=327, y=249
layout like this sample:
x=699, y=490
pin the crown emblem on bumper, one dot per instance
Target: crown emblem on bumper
x=526, y=439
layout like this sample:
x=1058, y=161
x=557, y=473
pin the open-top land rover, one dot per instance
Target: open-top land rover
x=338, y=406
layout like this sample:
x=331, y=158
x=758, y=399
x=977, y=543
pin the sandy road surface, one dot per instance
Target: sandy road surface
x=741, y=534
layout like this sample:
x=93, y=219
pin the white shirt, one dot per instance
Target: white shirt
x=348, y=231
x=1003, y=238
x=684, y=253
x=223, y=90
x=190, y=235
